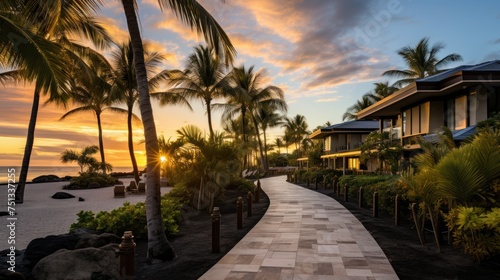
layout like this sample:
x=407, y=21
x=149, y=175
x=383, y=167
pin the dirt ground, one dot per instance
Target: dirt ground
x=411, y=260
x=400, y=243
x=193, y=243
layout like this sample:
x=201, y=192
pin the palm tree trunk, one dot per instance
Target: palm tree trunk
x=30, y=138
x=265, y=150
x=158, y=245
x=209, y=115
x=101, y=143
x=131, y=144
x=259, y=141
x=245, y=140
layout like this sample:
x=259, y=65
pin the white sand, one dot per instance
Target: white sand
x=40, y=215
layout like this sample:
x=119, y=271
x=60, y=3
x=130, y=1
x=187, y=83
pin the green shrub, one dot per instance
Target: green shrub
x=241, y=184
x=387, y=186
x=476, y=230
x=130, y=217
x=85, y=179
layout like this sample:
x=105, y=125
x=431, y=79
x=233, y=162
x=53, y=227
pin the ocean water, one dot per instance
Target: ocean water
x=35, y=171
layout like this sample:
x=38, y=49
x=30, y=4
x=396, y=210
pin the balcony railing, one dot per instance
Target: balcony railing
x=394, y=132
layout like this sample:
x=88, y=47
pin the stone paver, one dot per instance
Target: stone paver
x=304, y=235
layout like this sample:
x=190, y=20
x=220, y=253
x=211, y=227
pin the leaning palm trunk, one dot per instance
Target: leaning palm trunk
x=28, y=148
x=417, y=222
x=101, y=144
x=433, y=216
x=158, y=245
x=131, y=145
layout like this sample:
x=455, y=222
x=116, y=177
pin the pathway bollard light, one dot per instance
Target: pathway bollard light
x=397, y=211
x=216, y=230
x=239, y=216
x=126, y=252
x=249, y=204
x=257, y=192
x=360, y=197
x=375, y=204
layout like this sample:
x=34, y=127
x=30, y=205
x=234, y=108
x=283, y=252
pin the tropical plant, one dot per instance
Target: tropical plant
x=84, y=159
x=246, y=97
x=125, y=86
x=421, y=61
x=201, y=80
x=210, y=164
x=379, y=146
x=39, y=30
x=267, y=118
x=93, y=94
x=192, y=13
x=365, y=102
x=381, y=91
x=296, y=129
x=130, y=217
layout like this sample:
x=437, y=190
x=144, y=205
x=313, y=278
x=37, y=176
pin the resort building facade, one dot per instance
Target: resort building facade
x=457, y=98
x=342, y=144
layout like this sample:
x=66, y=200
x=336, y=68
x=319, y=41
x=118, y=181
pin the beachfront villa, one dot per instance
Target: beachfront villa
x=457, y=98
x=342, y=144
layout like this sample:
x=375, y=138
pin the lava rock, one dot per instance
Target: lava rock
x=62, y=195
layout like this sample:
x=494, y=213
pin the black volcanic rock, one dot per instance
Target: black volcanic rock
x=62, y=195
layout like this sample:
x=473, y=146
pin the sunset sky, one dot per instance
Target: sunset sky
x=325, y=54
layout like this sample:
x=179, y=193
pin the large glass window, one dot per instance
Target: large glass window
x=450, y=113
x=461, y=112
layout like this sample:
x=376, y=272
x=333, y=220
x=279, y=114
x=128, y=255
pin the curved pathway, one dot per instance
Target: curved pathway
x=303, y=235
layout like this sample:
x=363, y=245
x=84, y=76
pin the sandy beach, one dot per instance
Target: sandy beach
x=40, y=215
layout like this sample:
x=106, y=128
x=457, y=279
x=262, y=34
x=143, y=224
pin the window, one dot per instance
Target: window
x=328, y=143
x=461, y=112
x=450, y=113
x=416, y=119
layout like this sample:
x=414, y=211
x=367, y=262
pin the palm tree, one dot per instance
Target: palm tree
x=196, y=16
x=381, y=91
x=278, y=142
x=351, y=112
x=201, y=80
x=53, y=20
x=268, y=118
x=245, y=96
x=94, y=95
x=296, y=127
x=125, y=86
x=211, y=162
x=421, y=61
x=83, y=158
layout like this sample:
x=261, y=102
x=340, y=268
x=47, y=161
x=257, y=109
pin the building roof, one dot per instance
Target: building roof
x=458, y=135
x=355, y=126
x=442, y=84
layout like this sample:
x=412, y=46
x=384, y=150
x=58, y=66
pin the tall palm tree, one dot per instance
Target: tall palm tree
x=421, y=61
x=351, y=112
x=246, y=96
x=125, y=86
x=94, y=95
x=192, y=13
x=54, y=20
x=268, y=118
x=202, y=79
x=296, y=127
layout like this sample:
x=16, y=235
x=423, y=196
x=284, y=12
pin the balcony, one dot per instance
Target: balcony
x=394, y=132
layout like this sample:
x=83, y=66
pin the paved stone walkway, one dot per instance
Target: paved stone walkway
x=304, y=235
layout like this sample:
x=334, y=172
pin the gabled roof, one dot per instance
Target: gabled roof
x=356, y=126
x=444, y=83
